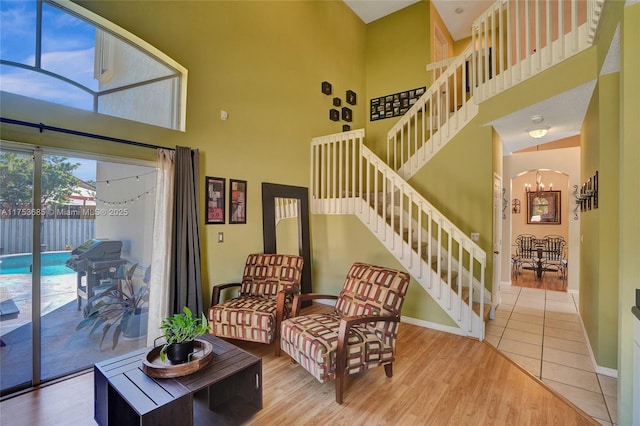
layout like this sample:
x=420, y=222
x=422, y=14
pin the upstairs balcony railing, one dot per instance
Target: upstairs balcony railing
x=512, y=41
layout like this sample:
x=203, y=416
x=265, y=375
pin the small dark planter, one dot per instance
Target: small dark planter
x=178, y=353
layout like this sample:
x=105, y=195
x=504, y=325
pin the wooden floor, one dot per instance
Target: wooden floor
x=550, y=280
x=439, y=379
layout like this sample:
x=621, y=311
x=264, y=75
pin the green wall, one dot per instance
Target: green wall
x=340, y=240
x=263, y=62
x=398, y=49
x=629, y=175
x=600, y=227
x=458, y=182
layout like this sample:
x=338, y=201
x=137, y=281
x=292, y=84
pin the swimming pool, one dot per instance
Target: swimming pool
x=53, y=263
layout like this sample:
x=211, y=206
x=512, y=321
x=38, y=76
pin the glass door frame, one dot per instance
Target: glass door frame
x=38, y=155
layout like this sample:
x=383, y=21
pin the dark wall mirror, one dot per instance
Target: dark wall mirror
x=285, y=224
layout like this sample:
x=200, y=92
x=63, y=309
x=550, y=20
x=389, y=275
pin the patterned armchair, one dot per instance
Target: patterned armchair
x=266, y=292
x=361, y=332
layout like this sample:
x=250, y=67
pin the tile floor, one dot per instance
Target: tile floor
x=541, y=330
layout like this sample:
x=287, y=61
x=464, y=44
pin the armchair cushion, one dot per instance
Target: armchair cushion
x=247, y=318
x=316, y=339
x=266, y=293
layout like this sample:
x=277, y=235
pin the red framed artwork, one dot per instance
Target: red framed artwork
x=215, y=200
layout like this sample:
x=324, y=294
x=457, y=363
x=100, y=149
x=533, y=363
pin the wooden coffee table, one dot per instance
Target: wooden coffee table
x=125, y=395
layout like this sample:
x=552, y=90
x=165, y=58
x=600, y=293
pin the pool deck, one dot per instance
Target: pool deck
x=64, y=349
x=57, y=290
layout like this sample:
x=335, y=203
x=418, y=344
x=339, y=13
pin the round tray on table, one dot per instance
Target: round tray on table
x=153, y=366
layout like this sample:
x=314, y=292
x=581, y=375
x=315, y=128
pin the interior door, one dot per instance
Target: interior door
x=497, y=238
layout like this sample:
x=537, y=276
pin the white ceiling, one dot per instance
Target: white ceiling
x=370, y=10
x=563, y=113
x=458, y=15
x=458, y=24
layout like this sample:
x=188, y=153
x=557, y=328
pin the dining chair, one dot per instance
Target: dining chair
x=554, y=259
x=526, y=252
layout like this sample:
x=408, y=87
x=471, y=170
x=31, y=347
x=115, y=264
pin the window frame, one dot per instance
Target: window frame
x=103, y=24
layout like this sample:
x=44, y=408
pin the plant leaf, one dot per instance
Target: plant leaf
x=116, y=335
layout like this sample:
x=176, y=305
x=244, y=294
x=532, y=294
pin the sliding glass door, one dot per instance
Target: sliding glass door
x=16, y=259
x=76, y=235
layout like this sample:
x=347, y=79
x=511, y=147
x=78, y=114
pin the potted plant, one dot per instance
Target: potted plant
x=180, y=332
x=120, y=305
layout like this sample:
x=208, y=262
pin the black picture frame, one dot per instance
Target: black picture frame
x=346, y=127
x=337, y=102
x=544, y=208
x=334, y=114
x=347, y=114
x=237, y=201
x=326, y=87
x=395, y=104
x=351, y=97
x=215, y=199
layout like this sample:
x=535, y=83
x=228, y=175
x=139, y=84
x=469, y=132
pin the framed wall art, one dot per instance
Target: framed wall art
x=351, y=97
x=326, y=87
x=394, y=105
x=215, y=200
x=237, y=201
x=347, y=115
x=543, y=207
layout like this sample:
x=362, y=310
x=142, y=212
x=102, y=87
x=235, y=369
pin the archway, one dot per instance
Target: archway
x=560, y=167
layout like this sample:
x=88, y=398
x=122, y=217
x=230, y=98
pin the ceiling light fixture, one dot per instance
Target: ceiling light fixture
x=538, y=131
x=459, y=10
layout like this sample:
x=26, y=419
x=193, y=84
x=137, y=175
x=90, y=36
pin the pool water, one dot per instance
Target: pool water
x=53, y=263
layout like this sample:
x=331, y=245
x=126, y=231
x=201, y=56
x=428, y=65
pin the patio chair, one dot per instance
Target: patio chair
x=266, y=292
x=358, y=335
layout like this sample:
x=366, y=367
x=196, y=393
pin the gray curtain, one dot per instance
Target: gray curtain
x=186, y=276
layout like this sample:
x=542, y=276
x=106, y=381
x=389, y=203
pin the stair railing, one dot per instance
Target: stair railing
x=517, y=39
x=444, y=109
x=347, y=178
x=509, y=45
x=285, y=208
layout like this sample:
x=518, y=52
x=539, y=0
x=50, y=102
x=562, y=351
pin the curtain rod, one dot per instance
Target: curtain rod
x=42, y=127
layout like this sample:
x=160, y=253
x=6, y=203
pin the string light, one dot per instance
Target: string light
x=136, y=177
x=126, y=201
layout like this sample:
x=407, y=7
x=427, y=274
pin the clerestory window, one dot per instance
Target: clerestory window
x=59, y=52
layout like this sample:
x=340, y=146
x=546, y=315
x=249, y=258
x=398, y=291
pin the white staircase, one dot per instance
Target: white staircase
x=349, y=179
x=511, y=42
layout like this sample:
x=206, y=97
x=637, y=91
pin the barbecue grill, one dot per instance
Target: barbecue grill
x=96, y=260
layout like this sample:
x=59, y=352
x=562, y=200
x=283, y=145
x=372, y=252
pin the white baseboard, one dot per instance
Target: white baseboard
x=418, y=322
x=605, y=371
x=432, y=325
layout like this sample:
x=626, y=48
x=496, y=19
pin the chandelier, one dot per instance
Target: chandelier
x=539, y=185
